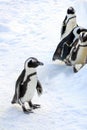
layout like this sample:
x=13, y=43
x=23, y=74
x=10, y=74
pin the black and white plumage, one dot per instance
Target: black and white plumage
x=68, y=23
x=78, y=53
x=65, y=45
x=26, y=84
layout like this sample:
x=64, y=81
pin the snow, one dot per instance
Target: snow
x=32, y=28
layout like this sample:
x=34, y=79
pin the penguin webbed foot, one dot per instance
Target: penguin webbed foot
x=35, y=106
x=27, y=111
x=75, y=70
x=14, y=100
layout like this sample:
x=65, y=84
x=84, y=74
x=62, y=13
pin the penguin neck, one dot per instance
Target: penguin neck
x=30, y=71
x=83, y=44
x=70, y=17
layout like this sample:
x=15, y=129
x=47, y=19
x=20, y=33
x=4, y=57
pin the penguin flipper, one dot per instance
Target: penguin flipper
x=17, y=88
x=63, y=26
x=14, y=100
x=39, y=88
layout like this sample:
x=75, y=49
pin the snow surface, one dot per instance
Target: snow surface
x=32, y=28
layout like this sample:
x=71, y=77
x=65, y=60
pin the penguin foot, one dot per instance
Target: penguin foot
x=75, y=70
x=67, y=62
x=13, y=102
x=35, y=106
x=27, y=111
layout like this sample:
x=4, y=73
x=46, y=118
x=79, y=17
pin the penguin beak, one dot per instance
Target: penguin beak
x=40, y=63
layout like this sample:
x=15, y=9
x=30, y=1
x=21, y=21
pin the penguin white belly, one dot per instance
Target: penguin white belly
x=81, y=56
x=71, y=24
x=31, y=87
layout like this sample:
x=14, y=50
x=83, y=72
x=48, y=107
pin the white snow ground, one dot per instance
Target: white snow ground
x=32, y=28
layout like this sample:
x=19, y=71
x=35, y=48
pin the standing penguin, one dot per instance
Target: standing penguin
x=78, y=53
x=68, y=23
x=65, y=45
x=26, y=84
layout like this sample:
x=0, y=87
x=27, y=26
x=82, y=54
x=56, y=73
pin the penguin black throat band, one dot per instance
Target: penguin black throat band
x=32, y=74
x=83, y=45
x=70, y=19
x=28, y=78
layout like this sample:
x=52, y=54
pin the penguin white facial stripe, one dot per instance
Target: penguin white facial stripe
x=85, y=34
x=31, y=59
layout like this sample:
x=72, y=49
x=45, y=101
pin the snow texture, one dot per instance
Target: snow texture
x=32, y=28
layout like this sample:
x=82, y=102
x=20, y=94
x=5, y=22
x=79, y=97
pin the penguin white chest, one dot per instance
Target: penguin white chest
x=81, y=56
x=31, y=87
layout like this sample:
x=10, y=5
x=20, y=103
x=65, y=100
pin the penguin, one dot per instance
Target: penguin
x=65, y=45
x=69, y=22
x=78, y=53
x=26, y=84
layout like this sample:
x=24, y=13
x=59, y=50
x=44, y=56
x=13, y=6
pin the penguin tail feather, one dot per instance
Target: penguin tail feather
x=13, y=100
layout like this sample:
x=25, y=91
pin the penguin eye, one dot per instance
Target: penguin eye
x=29, y=63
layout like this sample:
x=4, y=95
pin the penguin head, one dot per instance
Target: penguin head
x=32, y=63
x=83, y=36
x=70, y=10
